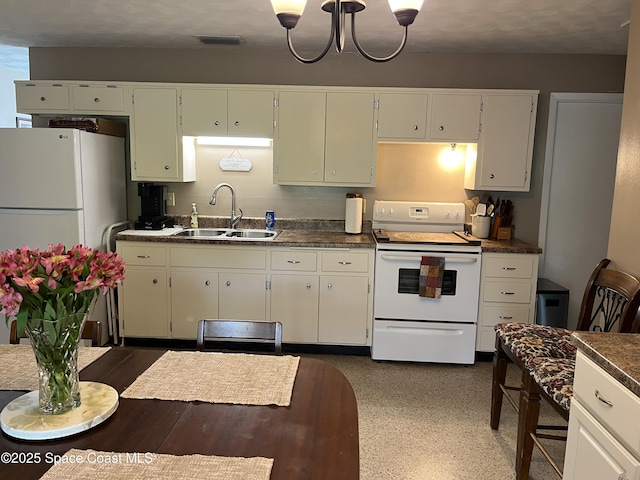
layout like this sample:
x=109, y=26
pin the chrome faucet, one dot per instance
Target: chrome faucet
x=235, y=219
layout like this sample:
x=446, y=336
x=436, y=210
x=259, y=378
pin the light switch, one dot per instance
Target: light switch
x=171, y=199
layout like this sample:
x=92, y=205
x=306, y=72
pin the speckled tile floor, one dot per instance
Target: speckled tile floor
x=431, y=422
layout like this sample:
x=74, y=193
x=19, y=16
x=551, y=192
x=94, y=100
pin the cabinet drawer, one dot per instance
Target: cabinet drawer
x=218, y=257
x=507, y=292
x=621, y=415
x=35, y=98
x=294, y=260
x=507, y=267
x=98, y=99
x=492, y=315
x=345, y=262
x=143, y=255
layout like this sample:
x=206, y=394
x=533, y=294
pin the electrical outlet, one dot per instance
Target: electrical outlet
x=171, y=199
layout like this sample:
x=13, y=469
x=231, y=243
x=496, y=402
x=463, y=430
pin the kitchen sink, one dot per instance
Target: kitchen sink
x=228, y=234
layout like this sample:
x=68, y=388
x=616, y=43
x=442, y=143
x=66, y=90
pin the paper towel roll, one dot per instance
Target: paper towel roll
x=353, y=213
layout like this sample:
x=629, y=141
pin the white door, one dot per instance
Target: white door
x=577, y=197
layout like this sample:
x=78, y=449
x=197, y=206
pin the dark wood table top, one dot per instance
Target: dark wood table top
x=316, y=437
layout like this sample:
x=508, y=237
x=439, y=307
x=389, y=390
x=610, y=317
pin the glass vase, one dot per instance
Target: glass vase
x=55, y=345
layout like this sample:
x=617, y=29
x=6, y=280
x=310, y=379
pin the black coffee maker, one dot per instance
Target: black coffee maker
x=154, y=209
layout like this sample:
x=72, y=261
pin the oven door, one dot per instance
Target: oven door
x=396, y=287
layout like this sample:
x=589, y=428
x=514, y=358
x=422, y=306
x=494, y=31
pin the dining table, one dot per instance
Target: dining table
x=314, y=437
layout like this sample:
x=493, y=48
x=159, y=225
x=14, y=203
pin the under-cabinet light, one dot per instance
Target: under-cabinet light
x=234, y=141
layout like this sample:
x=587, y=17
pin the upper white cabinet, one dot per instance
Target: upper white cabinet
x=455, y=117
x=156, y=148
x=325, y=138
x=434, y=117
x=505, y=146
x=239, y=113
x=402, y=116
x=68, y=99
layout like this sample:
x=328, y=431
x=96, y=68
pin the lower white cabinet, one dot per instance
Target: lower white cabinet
x=319, y=295
x=604, y=439
x=508, y=283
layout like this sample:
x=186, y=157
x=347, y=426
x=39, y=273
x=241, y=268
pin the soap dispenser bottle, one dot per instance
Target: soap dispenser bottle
x=194, y=216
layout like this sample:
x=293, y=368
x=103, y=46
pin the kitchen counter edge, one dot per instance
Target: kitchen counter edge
x=616, y=353
x=509, y=246
x=286, y=238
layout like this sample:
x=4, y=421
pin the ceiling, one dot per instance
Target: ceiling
x=443, y=26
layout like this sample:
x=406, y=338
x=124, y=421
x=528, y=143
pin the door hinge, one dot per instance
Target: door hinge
x=480, y=130
x=268, y=285
x=276, y=169
x=276, y=102
x=133, y=99
x=481, y=106
x=531, y=107
x=180, y=120
x=180, y=100
x=170, y=282
x=171, y=326
x=377, y=125
x=526, y=174
x=376, y=104
x=371, y=175
x=369, y=288
x=367, y=333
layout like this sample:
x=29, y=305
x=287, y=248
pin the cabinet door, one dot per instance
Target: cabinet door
x=154, y=135
x=343, y=310
x=194, y=296
x=144, y=318
x=42, y=98
x=349, y=145
x=98, y=99
x=250, y=113
x=294, y=303
x=204, y=112
x=505, y=146
x=299, y=146
x=242, y=296
x=402, y=115
x=592, y=452
x=455, y=117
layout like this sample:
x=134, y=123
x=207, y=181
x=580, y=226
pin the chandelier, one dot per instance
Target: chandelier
x=290, y=11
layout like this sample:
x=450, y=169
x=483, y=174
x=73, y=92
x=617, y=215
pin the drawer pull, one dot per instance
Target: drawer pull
x=207, y=283
x=504, y=317
x=293, y=261
x=342, y=262
x=144, y=256
x=42, y=99
x=603, y=400
x=508, y=268
x=507, y=293
x=228, y=283
x=155, y=280
x=97, y=100
x=308, y=286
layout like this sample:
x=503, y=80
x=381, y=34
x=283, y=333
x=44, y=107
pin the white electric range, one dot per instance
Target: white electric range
x=406, y=326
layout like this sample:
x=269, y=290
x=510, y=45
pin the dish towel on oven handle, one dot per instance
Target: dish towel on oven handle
x=431, y=275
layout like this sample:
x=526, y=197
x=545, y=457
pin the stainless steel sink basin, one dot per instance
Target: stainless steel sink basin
x=252, y=234
x=201, y=232
x=228, y=234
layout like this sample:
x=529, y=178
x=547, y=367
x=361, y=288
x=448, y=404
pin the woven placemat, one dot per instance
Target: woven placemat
x=149, y=466
x=19, y=370
x=218, y=378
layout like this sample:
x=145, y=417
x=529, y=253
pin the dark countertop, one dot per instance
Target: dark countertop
x=616, y=353
x=309, y=233
x=509, y=246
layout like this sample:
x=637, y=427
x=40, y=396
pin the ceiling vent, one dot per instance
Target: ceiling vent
x=221, y=40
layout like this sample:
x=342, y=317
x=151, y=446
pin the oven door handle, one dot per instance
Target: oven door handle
x=418, y=259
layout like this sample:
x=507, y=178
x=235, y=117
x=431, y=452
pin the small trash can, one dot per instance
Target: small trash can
x=552, y=304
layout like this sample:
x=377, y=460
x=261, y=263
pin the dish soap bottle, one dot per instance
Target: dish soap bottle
x=194, y=216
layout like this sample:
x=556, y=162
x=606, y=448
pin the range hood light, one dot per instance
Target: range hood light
x=234, y=141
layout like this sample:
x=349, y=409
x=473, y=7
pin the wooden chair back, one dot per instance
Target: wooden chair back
x=611, y=301
x=240, y=329
x=92, y=331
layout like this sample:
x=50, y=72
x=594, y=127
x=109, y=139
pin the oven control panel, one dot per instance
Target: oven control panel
x=438, y=213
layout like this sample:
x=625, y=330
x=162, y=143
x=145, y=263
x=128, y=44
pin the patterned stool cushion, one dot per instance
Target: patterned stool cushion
x=555, y=377
x=527, y=340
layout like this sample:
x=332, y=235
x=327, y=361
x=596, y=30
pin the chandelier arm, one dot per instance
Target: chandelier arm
x=324, y=52
x=338, y=18
x=370, y=57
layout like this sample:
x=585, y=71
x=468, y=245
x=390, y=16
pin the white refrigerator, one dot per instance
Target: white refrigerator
x=59, y=186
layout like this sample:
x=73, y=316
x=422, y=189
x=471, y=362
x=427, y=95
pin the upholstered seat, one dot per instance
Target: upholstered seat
x=555, y=377
x=531, y=340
